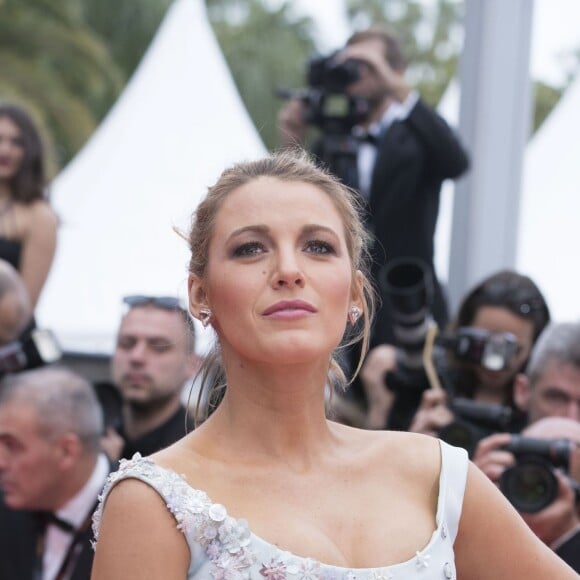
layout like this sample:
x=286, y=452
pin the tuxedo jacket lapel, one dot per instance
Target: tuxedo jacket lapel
x=390, y=153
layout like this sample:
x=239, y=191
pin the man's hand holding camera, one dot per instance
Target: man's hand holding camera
x=380, y=361
x=433, y=413
x=373, y=64
x=292, y=126
x=491, y=457
x=550, y=523
x=559, y=518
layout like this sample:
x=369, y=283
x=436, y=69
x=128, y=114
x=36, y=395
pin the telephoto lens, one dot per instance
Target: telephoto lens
x=408, y=287
x=531, y=484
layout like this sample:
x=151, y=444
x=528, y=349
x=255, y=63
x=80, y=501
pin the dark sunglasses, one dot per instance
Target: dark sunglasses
x=165, y=302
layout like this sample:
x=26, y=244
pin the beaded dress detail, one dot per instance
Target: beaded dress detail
x=224, y=548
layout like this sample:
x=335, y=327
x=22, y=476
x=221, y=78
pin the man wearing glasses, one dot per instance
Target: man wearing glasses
x=550, y=394
x=154, y=358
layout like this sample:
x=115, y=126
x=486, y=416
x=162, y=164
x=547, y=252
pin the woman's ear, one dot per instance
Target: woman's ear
x=197, y=295
x=357, y=290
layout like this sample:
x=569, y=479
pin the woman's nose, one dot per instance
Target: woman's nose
x=288, y=273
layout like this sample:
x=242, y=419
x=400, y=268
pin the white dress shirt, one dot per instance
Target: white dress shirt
x=367, y=152
x=75, y=512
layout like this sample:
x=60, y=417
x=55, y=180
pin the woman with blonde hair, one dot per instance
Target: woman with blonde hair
x=267, y=486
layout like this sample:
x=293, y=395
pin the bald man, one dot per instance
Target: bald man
x=51, y=472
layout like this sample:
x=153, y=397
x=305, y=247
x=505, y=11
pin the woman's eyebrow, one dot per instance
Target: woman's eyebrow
x=257, y=228
x=313, y=228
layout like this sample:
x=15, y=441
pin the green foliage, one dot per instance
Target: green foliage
x=56, y=67
x=265, y=49
x=545, y=97
x=127, y=27
x=67, y=60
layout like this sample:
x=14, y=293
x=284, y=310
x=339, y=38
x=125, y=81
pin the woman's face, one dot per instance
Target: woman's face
x=498, y=319
x=11, y=149
x=279, y=276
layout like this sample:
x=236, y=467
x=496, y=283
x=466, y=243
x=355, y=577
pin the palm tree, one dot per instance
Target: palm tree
x=57, y=68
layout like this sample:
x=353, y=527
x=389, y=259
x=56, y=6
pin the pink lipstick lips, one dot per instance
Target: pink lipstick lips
x=289, y=309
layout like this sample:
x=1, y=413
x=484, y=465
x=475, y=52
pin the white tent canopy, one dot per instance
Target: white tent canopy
x=177, y=124
x=549, y=233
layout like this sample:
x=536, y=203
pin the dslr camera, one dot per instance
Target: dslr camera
x=474, y=421
x=407, y=285
x=531, y=484
x=328, y=107
x=493, y=351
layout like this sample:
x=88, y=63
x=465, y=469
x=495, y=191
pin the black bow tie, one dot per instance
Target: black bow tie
x=46, y=518
x=370, y=138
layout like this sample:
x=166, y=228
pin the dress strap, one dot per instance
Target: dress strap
x=454, y=464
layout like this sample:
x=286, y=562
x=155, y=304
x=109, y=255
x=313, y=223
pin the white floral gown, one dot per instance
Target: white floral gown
x=224, y=548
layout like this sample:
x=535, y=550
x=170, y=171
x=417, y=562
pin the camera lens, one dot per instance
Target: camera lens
x=461, y=434
x=530, y=485
x=339, y=76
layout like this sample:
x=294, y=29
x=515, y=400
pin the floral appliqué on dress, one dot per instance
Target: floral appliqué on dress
x=232, y=552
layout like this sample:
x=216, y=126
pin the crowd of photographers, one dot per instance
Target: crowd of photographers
x=505, y=386
x=497, y=379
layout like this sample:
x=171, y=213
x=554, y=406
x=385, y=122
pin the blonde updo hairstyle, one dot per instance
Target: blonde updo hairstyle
x=286, y=166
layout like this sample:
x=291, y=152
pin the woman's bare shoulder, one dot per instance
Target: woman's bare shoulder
x=409, y=453
x=128, y=545
x=182, y=457
x=37, y=214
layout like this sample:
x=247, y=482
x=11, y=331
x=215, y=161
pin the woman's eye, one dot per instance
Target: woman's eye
x=320, y=247
x=249, y=249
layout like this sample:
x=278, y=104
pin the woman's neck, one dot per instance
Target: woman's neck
x=276, y=413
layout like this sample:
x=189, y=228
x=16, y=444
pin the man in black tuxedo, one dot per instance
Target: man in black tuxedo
x=51, y=472
x=406, y=151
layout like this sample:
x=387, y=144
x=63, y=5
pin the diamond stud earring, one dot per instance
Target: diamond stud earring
x=354, y=314
x=204, y=316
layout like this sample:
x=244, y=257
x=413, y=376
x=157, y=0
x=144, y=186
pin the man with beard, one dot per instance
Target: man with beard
x=549, y=393
x=153, y=359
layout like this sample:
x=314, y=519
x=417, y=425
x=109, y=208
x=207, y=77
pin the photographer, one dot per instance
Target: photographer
x=551, y=510
x=550, y=394
x=506, y=302
x=405, y=152
x=550, y=388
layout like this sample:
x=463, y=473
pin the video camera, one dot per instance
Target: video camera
x=328, y=107
x=37, y=349
x=407, y=284
x=531, y=484
x=334, y=112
